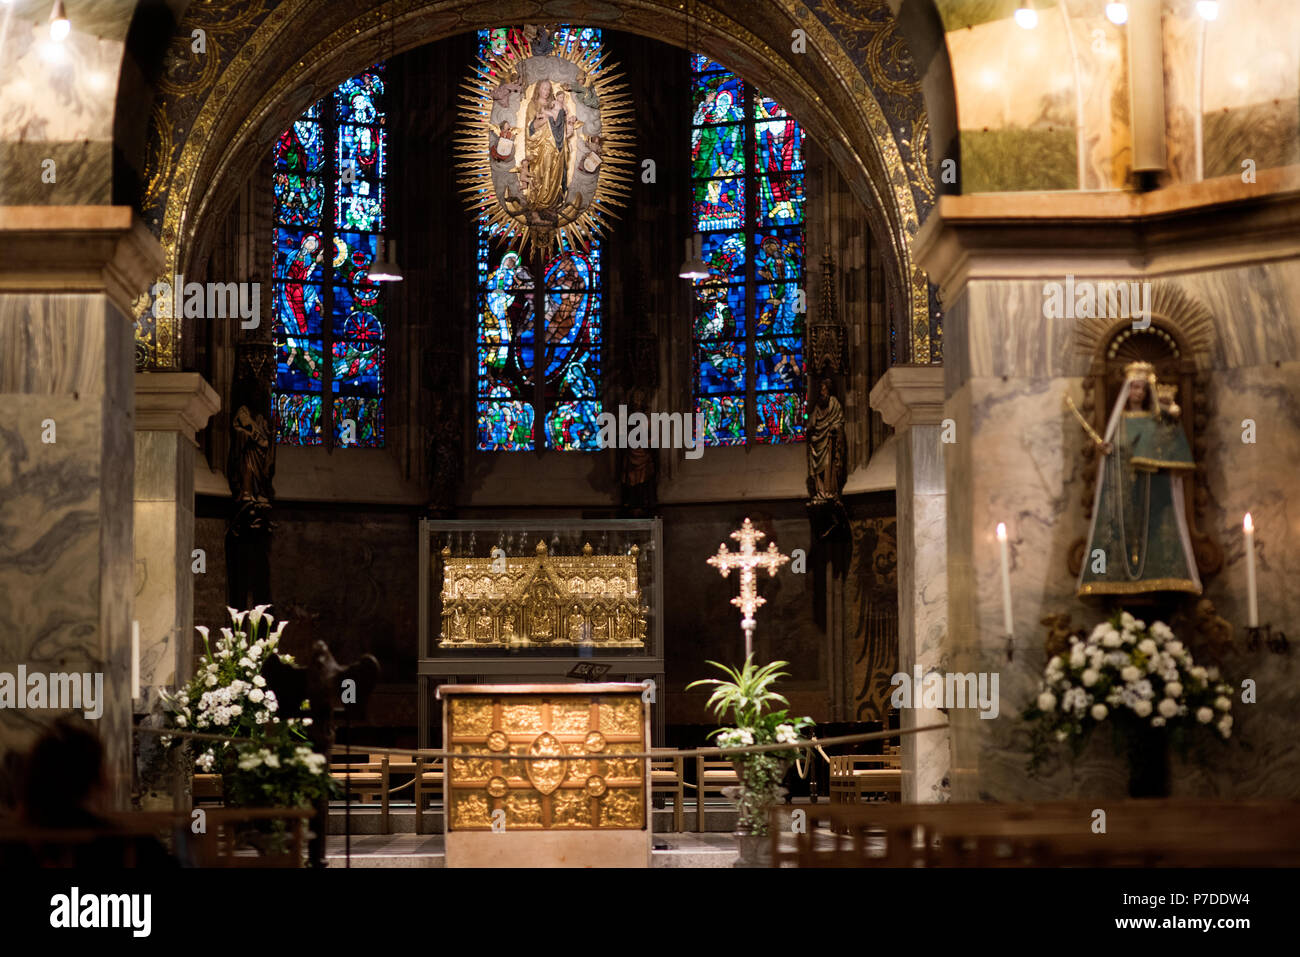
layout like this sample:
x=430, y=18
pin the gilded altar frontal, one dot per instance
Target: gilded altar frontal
x=556, y=601
x=602, y=791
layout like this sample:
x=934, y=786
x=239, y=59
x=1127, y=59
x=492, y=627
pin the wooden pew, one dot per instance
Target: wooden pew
x=365, y=775
x=711, y=776
x=667, y=776
x=214, y=846
x=429, y=776
x=217, y=848
x=854, y=776
x=1167, y=833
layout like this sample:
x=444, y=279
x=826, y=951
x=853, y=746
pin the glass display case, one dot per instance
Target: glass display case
x=551, y=600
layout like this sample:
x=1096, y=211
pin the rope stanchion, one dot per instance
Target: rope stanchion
x=803, y=745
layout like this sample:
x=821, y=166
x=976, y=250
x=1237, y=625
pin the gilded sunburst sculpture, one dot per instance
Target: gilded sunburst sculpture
x=544, y=143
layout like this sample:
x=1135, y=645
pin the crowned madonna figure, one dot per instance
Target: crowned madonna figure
x=1139, y=541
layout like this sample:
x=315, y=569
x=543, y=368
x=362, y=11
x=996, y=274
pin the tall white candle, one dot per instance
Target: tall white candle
x=1252, y=597
x=1006, y=579
x=135, y=660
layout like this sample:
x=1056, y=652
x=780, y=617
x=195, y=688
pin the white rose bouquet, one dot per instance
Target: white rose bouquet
x=1139, y=677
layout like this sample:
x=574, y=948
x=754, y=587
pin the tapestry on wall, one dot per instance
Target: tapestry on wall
x=872, y=592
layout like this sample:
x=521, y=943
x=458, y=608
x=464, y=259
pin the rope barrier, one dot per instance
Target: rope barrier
x=801, y=745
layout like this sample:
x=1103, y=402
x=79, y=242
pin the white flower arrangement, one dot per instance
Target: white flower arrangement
x=1133, y=673
x=228, y=694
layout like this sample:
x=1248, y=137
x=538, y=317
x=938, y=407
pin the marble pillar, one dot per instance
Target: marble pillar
x=67, y=280
x=170, y=407
x=911, y=400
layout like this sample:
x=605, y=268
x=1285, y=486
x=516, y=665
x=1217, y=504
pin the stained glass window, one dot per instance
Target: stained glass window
x=523, y=378
x=747, y=178
x=329, y=180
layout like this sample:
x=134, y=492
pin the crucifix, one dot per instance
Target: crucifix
x=747, y=560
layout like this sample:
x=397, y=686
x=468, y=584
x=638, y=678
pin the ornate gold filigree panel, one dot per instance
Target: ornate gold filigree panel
x=579, y=600
x=601, y=791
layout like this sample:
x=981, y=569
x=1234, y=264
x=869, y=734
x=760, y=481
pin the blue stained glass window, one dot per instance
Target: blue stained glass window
x=298, y=150
x=329, y=316
x=749, y=311
x=702, y=64
x=780, y=200
x=718, y=98
x=298, y=198
x=719, y=203
x=359, y=99
x=778, y=147
x=522, y=374
x=721, y=314
x=368, y=146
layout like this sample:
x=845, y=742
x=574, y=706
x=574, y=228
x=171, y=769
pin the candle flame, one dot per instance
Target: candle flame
x=1248, y=525
x=1002, y=531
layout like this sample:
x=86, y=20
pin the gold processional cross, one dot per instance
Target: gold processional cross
x=747, y=560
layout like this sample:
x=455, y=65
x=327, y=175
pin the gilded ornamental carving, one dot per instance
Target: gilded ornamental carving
x=552, y=600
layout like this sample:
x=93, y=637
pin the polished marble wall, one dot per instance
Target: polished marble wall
x=1018, y=460
x=923, y=604
x=65, y=506
x=57, y=102
x=164, y=535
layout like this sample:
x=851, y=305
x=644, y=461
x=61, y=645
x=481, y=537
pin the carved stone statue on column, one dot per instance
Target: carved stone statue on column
x=827, y=441
x=250, y=468
x=637, y=471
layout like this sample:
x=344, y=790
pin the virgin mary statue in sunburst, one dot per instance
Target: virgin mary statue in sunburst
x=543, y=152
x=550, y=130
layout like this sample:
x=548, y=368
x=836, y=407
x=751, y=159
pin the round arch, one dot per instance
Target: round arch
x=849, y=82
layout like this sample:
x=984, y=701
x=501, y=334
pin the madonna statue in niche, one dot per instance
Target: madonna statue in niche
x=1139, y=541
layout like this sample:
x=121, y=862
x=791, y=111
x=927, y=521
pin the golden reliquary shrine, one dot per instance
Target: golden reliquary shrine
x=553, y=600
x=545, y=776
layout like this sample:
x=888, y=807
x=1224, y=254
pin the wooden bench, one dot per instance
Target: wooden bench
x=120, y=844
x=217, y=848
x=1170, y=833
x=711, y=776
x=667, y=776
x=206, y=787
x=216, y=845
x=362, y=775
x=428, y=779
x=854, y=776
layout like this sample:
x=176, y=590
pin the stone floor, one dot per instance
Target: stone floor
x=402, y=847
x=427, y=850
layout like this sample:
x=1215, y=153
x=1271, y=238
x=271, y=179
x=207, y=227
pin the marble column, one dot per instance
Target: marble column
x=170, y=407
x=910, y=399
x=67, y=281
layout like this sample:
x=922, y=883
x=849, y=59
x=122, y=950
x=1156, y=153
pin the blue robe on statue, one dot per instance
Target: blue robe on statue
x=1139, y=541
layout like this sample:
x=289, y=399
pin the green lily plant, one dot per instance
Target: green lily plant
x=746, y=696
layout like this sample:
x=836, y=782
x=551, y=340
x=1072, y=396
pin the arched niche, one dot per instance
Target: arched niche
x=1178, y=342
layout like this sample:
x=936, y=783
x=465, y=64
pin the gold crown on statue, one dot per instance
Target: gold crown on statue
x=1166, y=392
x=1144, y=370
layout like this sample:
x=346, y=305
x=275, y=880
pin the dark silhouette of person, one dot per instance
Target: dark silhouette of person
x=63, y=785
